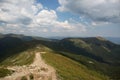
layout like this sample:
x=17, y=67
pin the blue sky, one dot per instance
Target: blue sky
x=52, y=4
x=48, y=18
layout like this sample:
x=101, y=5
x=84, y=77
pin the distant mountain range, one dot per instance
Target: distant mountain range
x=104, y=54
x=114, y=39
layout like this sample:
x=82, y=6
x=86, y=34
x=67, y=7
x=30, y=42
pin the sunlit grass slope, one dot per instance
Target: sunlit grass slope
x=68, y=69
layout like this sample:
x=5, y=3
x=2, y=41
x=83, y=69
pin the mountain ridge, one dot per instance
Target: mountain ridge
x=97, y=54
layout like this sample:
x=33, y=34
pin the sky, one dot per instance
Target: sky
x=49, y=18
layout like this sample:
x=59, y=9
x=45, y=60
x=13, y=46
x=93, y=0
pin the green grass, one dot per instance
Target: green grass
x=96, y=66
x=68, y=69
x=5, y=72
x=81, y=44
x=24, y=58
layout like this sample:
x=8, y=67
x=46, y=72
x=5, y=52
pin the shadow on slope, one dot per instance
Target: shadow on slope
x=10, y=46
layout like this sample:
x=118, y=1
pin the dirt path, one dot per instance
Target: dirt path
x=39, y=70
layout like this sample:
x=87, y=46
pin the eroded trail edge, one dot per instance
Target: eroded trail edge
x=38, y=70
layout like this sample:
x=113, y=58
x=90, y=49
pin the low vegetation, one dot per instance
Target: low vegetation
x=68, y=69
x=23, y=58
x=5, y=72
x=74, y=58
x=24, y=78
x=31, y=77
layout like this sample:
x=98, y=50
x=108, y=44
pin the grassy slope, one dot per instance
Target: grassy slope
x=90, y=63
x=107, y=50
x=68, y=69
x=22, y=58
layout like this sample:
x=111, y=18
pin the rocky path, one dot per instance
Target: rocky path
x=38, y=70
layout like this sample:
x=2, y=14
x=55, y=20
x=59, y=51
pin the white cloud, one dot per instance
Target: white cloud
x=47, y=20
x=97, y=10
x=1, y=29
x=45, y=30
x=45, y=17
x=27, y=16
x=18, y=11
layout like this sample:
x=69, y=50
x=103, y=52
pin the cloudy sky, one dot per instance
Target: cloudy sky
x=61, y=17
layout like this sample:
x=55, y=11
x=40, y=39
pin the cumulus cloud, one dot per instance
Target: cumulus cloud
x=47, y=20
x=97, y=10
x=29, y=16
